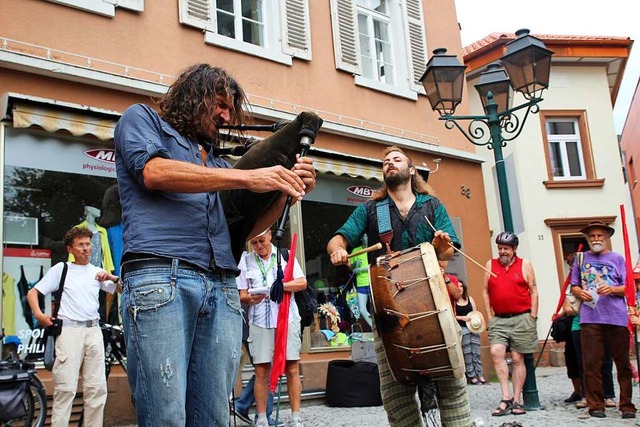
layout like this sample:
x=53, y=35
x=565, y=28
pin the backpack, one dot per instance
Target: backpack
x=305, y=300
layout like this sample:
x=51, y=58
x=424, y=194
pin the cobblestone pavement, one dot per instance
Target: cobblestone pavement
x=553, y=387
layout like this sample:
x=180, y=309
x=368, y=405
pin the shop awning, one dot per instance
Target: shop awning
x=54, y=120
x=342, y=167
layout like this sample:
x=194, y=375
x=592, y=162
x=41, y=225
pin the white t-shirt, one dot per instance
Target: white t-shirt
x=265, y=313
x=80, y=295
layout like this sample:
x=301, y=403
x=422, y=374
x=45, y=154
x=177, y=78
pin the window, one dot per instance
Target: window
x=568, y=150
x=275, y=29
x=565, y=152
x=103, y=7
x=381, y=42
x=375, y=41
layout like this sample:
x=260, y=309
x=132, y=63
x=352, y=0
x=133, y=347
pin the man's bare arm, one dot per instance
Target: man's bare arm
x=337, y=250
x=485, y=291
x=533, y=287
x=161, y=174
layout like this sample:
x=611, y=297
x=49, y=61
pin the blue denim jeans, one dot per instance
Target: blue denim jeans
x=183, y=330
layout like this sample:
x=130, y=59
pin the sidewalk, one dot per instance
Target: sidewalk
x=553, y=387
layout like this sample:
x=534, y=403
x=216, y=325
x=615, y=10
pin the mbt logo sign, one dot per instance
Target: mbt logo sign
x=360, y=190
x=106, y=155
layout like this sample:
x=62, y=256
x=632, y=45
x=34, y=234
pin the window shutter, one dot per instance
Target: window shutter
x=414, y=21
x=196, y=13
x=346, y=44
x=137, y=5
x=296, y=29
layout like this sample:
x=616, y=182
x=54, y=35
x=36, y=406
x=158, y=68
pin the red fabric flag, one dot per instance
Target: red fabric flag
x=282, y=327
x=629, y=285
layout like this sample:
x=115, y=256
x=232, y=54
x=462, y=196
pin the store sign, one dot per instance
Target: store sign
x=59, y=153
x=361, y=190
x=102, y=155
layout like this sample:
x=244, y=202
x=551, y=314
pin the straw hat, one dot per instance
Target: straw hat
x=476, y=323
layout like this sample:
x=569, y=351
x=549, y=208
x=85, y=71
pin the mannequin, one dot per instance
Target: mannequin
x=91, y=214
x=360, y=265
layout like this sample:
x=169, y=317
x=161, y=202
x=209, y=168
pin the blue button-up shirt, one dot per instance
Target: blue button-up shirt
x=188, y=226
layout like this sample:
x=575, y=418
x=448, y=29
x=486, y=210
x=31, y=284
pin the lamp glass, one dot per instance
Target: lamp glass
x=443, y=81
x=528, y=63
x=496, y=81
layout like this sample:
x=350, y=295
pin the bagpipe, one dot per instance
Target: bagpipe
x=243, y=207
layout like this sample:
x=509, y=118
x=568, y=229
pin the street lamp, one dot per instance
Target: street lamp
x=527, y=65
x=526, y=70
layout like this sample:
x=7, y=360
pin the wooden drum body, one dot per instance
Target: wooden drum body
x=414, y=316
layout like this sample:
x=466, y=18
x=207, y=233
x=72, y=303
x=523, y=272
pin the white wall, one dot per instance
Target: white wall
x=571, y=88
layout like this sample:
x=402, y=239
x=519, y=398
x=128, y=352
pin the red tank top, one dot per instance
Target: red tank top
x=509, y=292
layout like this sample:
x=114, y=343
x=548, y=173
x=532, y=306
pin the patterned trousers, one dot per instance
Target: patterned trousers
x=401, y=401
x=471, y=350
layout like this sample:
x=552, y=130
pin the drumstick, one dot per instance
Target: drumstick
x=375, y=247
x=462, y=253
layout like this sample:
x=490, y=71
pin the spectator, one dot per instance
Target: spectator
x=599, y=281
x=258, y=270
x=511, y=298
x=79, y=346
x=470, y=340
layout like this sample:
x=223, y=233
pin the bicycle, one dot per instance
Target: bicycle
x=115, y=350
x=13, y=371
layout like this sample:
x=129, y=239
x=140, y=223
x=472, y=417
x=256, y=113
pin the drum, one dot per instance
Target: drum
x=414, y=316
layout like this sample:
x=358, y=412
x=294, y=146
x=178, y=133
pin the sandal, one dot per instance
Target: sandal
x=482, y=380
x=517, y=409
x=499, y=411
x=474, y=381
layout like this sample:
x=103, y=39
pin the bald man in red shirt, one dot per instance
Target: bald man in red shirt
x=511, y=299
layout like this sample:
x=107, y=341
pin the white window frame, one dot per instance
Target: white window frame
x=271, y=49
x=562, y=140
x=372, y=16
x=102, y=7
x=286, y=25
x=409, y=45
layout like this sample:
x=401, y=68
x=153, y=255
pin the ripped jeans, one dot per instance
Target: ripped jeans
x=183, y=330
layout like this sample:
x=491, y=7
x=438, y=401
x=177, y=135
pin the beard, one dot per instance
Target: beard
x=597, y=247
x=505, y=260
x=400, y=177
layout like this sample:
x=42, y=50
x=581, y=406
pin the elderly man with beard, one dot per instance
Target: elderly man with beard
x=511, y=298
x=598, y=279
x=409, y=200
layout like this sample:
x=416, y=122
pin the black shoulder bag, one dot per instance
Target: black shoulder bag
x=305, y=300
x=54, y=330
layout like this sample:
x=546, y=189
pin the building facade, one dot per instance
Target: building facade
x=69, y=68
x=564, y=169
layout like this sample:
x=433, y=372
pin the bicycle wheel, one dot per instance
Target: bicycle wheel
x=39, y=402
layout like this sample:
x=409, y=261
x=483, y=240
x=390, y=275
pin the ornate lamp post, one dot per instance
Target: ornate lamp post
x=527, y=65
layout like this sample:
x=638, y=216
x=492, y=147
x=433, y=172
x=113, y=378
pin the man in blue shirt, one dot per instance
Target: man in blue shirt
x=181, y=310
x=409, y=202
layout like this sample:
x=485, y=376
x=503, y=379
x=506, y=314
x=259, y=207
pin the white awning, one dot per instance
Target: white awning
x=54, y=120
x=342, y=167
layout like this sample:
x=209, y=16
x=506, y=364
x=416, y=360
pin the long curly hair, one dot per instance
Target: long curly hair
x=191, y=99
x=418, y=184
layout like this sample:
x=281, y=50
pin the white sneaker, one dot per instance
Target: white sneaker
x=296, y=422
x=262, y=423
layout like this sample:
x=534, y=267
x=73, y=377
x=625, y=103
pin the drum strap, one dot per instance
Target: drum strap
x=384, y=223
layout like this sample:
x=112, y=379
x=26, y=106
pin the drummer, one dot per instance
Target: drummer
x=404, y=201
x=180, y=303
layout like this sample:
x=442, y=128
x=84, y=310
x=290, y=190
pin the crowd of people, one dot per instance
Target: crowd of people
x=181, y=279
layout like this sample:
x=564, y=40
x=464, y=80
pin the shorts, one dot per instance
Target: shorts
x=519, y=333
x=262, y=342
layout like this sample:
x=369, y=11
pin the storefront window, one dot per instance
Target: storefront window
x=51, y=183
x=323, y=212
